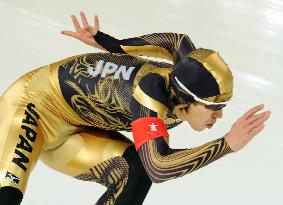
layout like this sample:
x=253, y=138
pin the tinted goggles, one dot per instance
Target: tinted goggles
x=215, y=107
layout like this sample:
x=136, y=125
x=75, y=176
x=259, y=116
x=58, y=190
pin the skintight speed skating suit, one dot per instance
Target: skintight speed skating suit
x=68, y=115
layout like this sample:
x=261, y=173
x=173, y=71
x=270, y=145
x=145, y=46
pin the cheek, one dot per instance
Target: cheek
x=184, y=115
x=202, y=117
x=195, y=119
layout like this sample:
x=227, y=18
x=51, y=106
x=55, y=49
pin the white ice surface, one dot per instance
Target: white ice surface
x=249, y=36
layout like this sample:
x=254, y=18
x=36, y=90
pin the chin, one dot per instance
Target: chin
x=198, y=129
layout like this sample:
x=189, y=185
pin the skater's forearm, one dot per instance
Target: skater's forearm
x=163, y=163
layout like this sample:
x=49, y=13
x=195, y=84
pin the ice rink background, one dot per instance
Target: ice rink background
x=248, y=35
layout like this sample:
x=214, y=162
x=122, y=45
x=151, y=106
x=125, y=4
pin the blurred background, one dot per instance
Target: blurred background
x=247, y=34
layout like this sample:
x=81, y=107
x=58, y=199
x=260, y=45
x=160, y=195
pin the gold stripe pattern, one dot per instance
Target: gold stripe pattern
x=149, y=102
x=148, y=50
x=220, y=71
x=113, y=174
x=150, y=68
x=162, y=45
x=169, y=41
x=165, y=167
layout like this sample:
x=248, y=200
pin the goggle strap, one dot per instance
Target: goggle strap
x=196, y=98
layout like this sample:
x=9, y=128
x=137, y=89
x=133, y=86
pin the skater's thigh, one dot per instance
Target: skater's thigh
x=84, y=150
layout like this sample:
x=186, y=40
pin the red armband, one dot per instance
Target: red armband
x=148, y=128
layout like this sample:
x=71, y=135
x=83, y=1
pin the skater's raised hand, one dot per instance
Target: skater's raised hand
x=246, y=128
x=85, y=33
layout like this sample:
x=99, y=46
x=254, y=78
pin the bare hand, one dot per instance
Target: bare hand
x=86, y=33
x=246, y=128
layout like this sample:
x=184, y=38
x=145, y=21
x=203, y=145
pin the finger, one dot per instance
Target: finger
x=76, y=23
x=84, y=20
x=252, y=111
x=96, y=23
x=70, y=33
x=252, y=118
x=257, y=130
x=258, y=122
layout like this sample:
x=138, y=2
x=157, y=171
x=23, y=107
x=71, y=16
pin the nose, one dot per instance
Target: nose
x=218, y=113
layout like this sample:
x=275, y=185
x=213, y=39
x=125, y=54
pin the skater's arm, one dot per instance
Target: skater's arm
x=170, y=46
x=163, y=163
x=148, y=107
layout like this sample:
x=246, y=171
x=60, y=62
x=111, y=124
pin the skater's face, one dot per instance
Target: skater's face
x=198, y=116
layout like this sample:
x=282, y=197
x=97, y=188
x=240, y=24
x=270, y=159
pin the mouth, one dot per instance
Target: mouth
x=210, y=125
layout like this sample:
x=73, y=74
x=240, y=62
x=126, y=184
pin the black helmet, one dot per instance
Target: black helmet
x=202, y=76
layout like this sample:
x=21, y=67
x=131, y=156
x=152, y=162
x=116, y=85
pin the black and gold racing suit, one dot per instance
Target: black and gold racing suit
x=68, y=114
